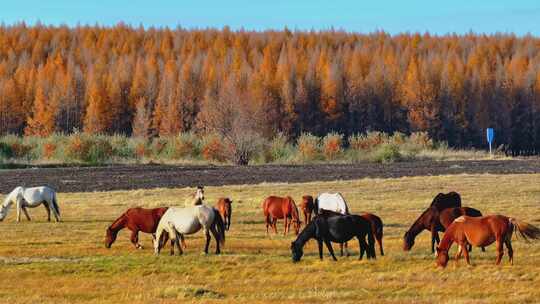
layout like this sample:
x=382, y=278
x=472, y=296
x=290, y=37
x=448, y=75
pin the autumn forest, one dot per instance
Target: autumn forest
x=159, y=82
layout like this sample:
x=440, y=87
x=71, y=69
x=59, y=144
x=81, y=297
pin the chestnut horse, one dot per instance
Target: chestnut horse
x=483, y=231
x=275, y=208
x=307, y=207
x=135, y=219
x=225, y=210
x=429, y=219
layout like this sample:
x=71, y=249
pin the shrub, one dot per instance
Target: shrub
x=100, y=151
x=332, y=145
x=86, y=148
x=368, y=141
x=21, y=150
x=5, y=150
x=308, y=146
x=142, y=150
x=277, y=149
x=158, y=146
x=387, y=153
x=185, y=145
x=122, y=147
x=77, y=147
x=421, y=139
x=49, y=149
x=213, y=148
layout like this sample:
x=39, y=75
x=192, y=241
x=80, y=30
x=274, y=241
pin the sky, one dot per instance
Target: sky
x=398, y=16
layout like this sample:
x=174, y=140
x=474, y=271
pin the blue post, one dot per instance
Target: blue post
x=490, y=135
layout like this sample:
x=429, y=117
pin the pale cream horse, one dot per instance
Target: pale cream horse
x=177, y=222
x=30, y=198
x=196, y=198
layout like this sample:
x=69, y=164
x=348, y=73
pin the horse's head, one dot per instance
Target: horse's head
x=297, y=252
x=199, y=195
x=110, y=237
x=442, y=257
x=408, y=241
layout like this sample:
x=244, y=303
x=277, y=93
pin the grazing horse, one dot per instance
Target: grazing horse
x=307, y=207
x=446, y=200
x=31, y=198
x=177, y=222
x=135, y=219
x=196, y=198
x=275, y=208
x=332, y=202
x=225, y=210
x=429, y=219
x=483, y=231
x=337, y=229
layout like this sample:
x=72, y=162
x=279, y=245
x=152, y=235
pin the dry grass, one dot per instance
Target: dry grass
x=65, y=263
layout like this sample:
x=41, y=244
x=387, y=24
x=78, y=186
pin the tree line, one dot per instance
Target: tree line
x=161, y=81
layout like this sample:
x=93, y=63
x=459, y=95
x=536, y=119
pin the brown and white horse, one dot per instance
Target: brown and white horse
x=275, y=208
x=483, y=231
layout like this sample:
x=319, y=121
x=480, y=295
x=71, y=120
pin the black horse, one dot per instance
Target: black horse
x=337, y=229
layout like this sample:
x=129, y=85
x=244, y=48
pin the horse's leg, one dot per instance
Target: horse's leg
x=274, y=224
x=18, y=211
x=319, y=242
x=207, y=234
x=362, y=246
x=347, y=249
x=48, y=211
x=508, y=243
x=379, y=240
x=341, y=249
x=26, y=213
x=500, y=251
x=329, y=246
x=434, y=237
x=216, y=237
x=458, y=253
x=135, y=239
x=285, y=231
x=182, y=239
x=466, y=253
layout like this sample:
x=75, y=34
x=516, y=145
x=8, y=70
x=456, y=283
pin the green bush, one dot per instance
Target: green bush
x=308, y=147
x=278, y=149
x=387, y=153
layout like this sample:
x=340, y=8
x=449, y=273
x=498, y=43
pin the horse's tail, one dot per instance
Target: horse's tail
x=316, y=206
x=55, y=204
x=220, y=226
x=526, y=230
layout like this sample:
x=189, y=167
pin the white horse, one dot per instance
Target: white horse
x=177, y=222
x=31, y=198
x=196, y=198
x=331, y=202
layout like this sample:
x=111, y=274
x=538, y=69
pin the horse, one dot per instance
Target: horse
x=443, y=201
x=225, y=210
x=429, y=219
x=332, y=202
x=483, y=231
x=135, y=219
x=196, y=198
x=31, y=198
x=375, y=222
x=376, y=228
x=275, y=208
x=337, y=229
x=307, y=207
x=177, y=222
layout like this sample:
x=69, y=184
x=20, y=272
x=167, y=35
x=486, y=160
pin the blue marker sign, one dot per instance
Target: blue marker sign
x=490, y=135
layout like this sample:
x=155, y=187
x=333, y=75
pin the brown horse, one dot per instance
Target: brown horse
x=429, y=219
x=483, y=231
x=275, y=208
x=376, y=228
x=225, y=210
x=135, y=219
x=307, y=207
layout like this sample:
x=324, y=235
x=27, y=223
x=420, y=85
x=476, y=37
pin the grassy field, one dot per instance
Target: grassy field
x=44, y=262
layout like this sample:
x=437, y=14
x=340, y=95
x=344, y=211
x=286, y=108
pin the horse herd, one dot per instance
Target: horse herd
x=332, y=222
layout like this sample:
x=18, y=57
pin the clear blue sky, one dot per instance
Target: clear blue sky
x=440, y=17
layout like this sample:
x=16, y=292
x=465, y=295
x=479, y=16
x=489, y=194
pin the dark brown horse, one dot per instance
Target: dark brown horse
x=483, y=231
x=307, y=207
x=135, y=219
x=376, y=228
x=225, y=210
x=275, y=208
x=429, y=219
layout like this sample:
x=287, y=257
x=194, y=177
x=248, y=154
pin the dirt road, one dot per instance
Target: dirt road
x=152, y=176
